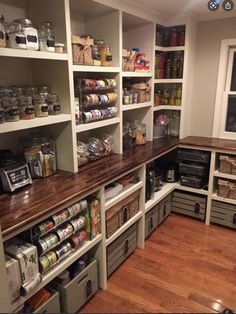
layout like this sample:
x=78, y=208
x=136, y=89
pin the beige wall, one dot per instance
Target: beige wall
x=209, y=36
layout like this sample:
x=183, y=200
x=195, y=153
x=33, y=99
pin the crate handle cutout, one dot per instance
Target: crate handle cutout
x=125, y=214
x=234, y=218
x=126, y=246
x=164, y=211
x=197, y=208
x=151, y=223
x=88, y=288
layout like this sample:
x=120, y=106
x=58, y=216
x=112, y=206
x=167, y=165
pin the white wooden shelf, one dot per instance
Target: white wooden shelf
x=95, y=125
x=91, y=68
x=51, y=274
x=137, y=74
x=21, y=53
x=136, y=106
x=166, y=49
x=122, y=229
x=160, y=195
x=168, y=81
x=192, y=190
x=158, y=108
x=215, y=197
x=36, y=122
x=219, y=174
x=128, y=190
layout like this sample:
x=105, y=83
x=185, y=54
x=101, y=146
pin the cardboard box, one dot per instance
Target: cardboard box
x=13, y=277
x=27, y=256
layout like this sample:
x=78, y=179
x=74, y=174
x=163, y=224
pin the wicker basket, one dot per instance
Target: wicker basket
x=226, y=164
x=232, y=193
x=224, y=188
x=234, y=167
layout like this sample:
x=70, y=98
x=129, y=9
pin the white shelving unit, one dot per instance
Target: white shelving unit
x=19, y=53
x=169, y=49
x=93, y=69
x=192, y=190
x=158, y=108
x=137, y=74
x=168, y=81
x=96, y=125
x=136, y=106
x=222, y=199
x=219, y=174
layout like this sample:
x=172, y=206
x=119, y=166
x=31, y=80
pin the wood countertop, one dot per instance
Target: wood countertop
x=21, y=208
x=44, y=196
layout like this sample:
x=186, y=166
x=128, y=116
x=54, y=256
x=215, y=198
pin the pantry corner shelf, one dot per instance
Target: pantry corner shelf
x=122, y=229
x=95, y=125
x=137, y=74
x=136, y=106
x=128, y=190
x=219, y=174
x=168, y=81
x=160, y=195
x=158, y=108
x=55, y=271
x=22, y=53
x=215, y=197
x=33, y=123
x=91, y=68
x=169, y=49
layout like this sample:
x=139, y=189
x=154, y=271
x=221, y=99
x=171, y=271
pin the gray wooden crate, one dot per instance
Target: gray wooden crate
x=151, y=220
x=52, y=305
x=189, y=204
x=79, y=290
x=121, y=248
x=223, y=214
x=165, y=208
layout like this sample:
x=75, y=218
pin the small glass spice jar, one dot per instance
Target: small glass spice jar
x=11, y=110
x=40, y=106
x=54, y=107
x=26, y=108
x=106, y=56
x=157, y=99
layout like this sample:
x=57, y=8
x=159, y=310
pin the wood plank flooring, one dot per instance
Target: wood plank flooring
x=186, y=267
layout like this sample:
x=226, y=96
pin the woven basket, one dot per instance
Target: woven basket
x=226, y=164
x=224, y=188
x=232, y=193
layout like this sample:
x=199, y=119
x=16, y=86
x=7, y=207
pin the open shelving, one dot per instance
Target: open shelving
x=219, y=174
x=168, y=81
x=136, y=106
x=137, y=74
x=20, y=53
x=96, y=125
x=223, y=199
x=169, y=49
x=87, y=68
x=167, y=107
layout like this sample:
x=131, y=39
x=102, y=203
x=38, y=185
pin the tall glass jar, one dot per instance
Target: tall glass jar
x=53, y=104
x=31, y=34
x=96, y=56
x=26, y=108
x=140, y=132
x=2, y=32
x=17, y=37
x=106, y=56
x=44, y=90
x=40, y=106
x=175, y=124
x=46, y=37
x=11, y=110
x=2, y=118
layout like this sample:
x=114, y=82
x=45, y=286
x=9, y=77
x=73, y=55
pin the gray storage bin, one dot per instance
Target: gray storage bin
x=121, y=248
x=79, y=290
x=52, y=305
x=151, y=220
x=223, y=214
x=189, y=204
x=165, y=208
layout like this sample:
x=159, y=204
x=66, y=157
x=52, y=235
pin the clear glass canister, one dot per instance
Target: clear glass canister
x=44, y=90
x=96, y=56
x=2, y=118
x=140, y=132
x=26, y=108
x=40, y=106
x=31, y=34
x=53, y=104
x=46, y=37
x=82, y=153
x=108, y=144
x=40, y=155
x=17, y=37
x=106, y=56
x=11, y=110
x=2, y=32
x=95, y=149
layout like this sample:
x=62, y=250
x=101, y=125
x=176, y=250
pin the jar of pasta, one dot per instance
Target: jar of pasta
x=53, y=104
x=40, y=106
x=26, y=108
x=106, y=56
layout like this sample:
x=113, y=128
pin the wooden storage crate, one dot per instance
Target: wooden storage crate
x=189, y=204
x=151, y=220
x=165, y=208
x=223, y=214
x=223, y=188
x=52, y=305
x=79, y=290
x=119, y=250
x=119, y=214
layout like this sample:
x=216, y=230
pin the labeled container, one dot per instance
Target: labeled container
x=40, y=106
x=17, y=37
x=11, y=110
x=31, y=34
x=106, y=56
x=26, y=108
x=54, y=107
x=46, y=37
x=2, y=32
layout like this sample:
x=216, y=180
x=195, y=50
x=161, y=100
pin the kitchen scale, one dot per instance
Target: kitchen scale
x=14, y=174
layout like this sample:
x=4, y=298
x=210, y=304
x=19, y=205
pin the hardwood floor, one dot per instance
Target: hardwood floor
x=185, y=267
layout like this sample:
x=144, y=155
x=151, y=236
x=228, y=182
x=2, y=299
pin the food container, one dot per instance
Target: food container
x=46, y=37
x=11, y=110
x=82, y=49
x=2, y=32
x=2, y=118
x=223, y=188
x=59, y=47
x=31, y=34
x=26, y=108
x=17, y=37
x=40, y=106
x=82, y=154
x=140, y=133
x=96, y=56
x=106, y=56
x=54, y=107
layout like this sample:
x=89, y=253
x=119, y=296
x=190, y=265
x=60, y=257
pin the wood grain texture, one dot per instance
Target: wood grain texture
x=209, y=143
x=186, y=267
x=62, y=189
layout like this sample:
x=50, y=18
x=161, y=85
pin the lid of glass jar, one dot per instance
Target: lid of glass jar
x=44, y=89
x=24, y=22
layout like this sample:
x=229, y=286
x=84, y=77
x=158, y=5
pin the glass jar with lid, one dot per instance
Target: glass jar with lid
x=140, y=132
x=82, y=153
x=17, y=37
x=31, y=34
x=106, y=56
x=40, y=106
x=2, y=32
x=2, y=118
x=46, y=37
x=95, y=149
x=53, y=104
x=11, y=110
x=40, y=155
x=26, y=108
x=30, y=90
x=44, y=90
x=96, y=56
x=108, y=144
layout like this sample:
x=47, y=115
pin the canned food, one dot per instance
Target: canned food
x=65, y=232
x=60, y=217
x=44, y=263
x=48, y=242
x=45, y=227
x=78, y=223
x=84, y=204
x=63, y=249
x=75, y=241
x=52, y=257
